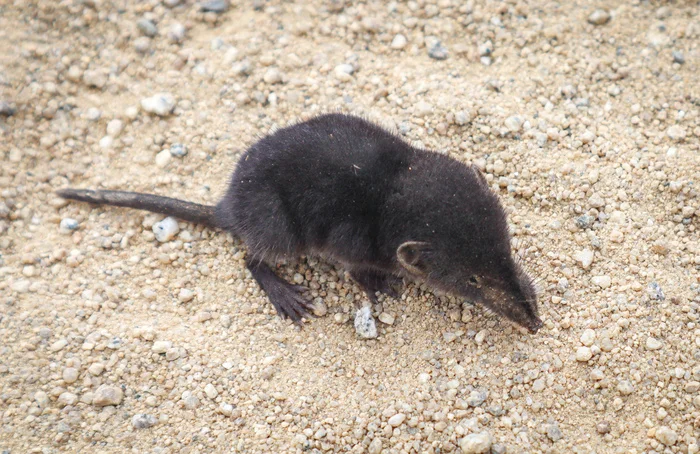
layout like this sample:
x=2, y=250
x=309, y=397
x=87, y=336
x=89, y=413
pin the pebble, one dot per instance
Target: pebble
x=115, y=127
x=655, y=292
x=214, y=6
x=161, y=104
x=176, y=33
x=397, y=420
x=599, y=17
x=364, y=323
x=161, y=346
x=106, y=142
x=553, y=432
x=96, y=369
x=437, y=51
x=21, y=286
x=625, y=387
x=584, y=258
x=514, y=123
x=142, y=44
x=399, y=42
x=163, y=158
x=676, y=132
x=588, y=337
x=191, y=402
x=653, y=344
x=678, y=57
x=583, y=354
x=476, y=398
x=666, y=436
x=6, y=110
x=147, y=27
x=186, y=295
x=375, y=447
x=386, y=318
x=107, y=395
x=343, y=72
x=166, y=229
x=68, y=225
x=422, y=109
x=143, y=421
x=70, y=375
x=478, y=443
x=272, y=76
x=42, y=399
x=603, y=427
x=210, y=391
x=601, y=281
x=95, y=79
x=178, y=150
x=58, y=345
x=66, y=399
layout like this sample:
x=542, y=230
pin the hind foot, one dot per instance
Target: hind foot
x=289, y=300
x=372, y=281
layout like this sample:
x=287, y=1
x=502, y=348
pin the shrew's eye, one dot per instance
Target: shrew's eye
x=474, y=280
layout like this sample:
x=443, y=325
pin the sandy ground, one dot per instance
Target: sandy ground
x=587, y=126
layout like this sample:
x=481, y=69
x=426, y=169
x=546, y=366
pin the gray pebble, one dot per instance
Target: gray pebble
x=147, y=27
x=6, y=110
x=655, y=292
x=143, y=421
x=214, y=6
x=364, y=323
x=68, y=225
x=553, y=432
x=678, y=57
x=437, y=51
x=178, y=150
x=477, y=398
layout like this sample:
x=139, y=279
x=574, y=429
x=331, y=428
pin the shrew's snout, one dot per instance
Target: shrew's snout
x=534, y=325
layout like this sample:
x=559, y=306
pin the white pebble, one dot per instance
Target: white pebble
x=601, y=281
x=272, y=76
x=625, y=387
x=161, y=346
x=106, y=142
x=107, y=395
x=161, y=104
x=666, y=436
x=211, y=391
x=653, y=343
x=397, y=420
x=163, y=158
x=364, y=323
x=676, y=132
x=386, y=318
x=514, y=123
x=185, y=295
x=422, y=109
x=583, y=354
x=476, y=443
x=115, y=127
x=70, y=375
x=68, y=225
x=166, y=229
x=399, y=42
x=588, y=337
x=584, y=258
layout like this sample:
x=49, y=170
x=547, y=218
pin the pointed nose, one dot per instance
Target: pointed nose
x=535, y=326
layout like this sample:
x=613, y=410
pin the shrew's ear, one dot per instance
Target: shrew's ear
x=411, y=255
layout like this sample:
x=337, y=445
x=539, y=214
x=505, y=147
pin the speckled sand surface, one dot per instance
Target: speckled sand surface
x=586, y=122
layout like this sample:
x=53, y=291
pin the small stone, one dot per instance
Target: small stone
x=386, y=318
x=210, y=391
x=399, y=42
x=603, y=427
x=601, y=281
x=397, y=420
x=625, y=387
x=21, y=286
x=142, y=44
x=655, y=292
x=163, y=158
x=476, y=398
x=538, y=385
x=485, y=49
x=678, y=57
x=514, y=123
x=6, y=110
x=375, y=447
x=106, y=142
x=176, y=33
x=95, y=79
x=70, y=375
x=584, y=258
x=214, y=6
x=226, y=409
x=462, y=118
x=66, y=399
x=225, y=320
x=676, y=132
x=597, y=375
x=422, y=109
x=666, y=436
x=599, y=17
x=68, y=225
x=478, y=443
x=96, y=369
x=115, y=127
x=437, y=51
x=166, y=229
x=191, y=402
x=42, y=399
x=107, y=395
x=161, y=346
x=343, y=72
x=319, y=308
x=364, y=323
x=186, y=295
x=588, y=337
x=58, y=345
x=272, y=76
x=583, y=354
x=653, y=344
x=147, y=27
x=486, y=61
x=172, y=354
x=161, y=104
x=553, y=432
x=178, y=150
x=143, y=421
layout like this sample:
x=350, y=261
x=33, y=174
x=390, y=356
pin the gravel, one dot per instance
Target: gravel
x=588, y=133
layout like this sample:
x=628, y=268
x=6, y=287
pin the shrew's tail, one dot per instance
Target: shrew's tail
x=187, y=211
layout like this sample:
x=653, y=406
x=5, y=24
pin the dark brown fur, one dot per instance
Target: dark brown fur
x=342, y=187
